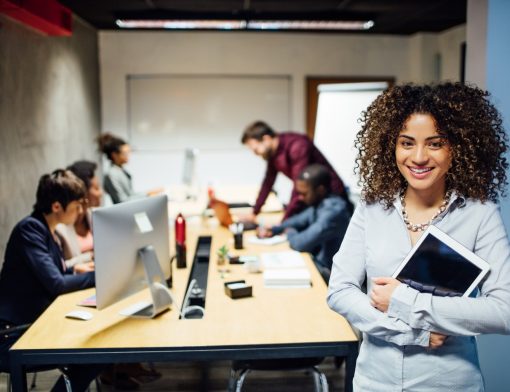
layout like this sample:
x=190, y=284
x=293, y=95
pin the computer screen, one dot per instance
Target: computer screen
x=120, y=231
x=189, y=173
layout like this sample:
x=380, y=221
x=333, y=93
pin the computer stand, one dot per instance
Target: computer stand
x=161, y=296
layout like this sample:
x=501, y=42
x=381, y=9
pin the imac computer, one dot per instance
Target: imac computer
x=131, y=252
x=189, y=173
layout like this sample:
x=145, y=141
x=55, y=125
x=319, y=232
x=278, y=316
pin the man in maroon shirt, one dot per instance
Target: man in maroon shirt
x=288, y=153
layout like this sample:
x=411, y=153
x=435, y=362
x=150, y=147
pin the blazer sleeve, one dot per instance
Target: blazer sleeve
x=298, y=222
x=119, y=189
x=346, y=297
x=465, y=316
x=331, y=221
x=42, y=263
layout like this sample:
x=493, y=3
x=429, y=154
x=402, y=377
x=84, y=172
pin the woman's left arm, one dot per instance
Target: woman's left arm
x=488, y=313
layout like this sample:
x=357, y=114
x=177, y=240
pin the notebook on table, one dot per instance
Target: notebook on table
x=285, y=269
x=439, y=265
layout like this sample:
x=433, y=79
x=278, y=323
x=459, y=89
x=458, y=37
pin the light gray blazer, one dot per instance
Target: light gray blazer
x=117, y=183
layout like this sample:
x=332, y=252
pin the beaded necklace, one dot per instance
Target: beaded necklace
x=422, y=226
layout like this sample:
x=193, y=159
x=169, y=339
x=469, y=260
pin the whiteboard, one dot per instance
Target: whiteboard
x=206, y=112
x=339, y=108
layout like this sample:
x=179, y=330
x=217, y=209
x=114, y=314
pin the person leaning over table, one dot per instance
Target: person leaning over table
x=34, y=273
x=288, y=153
x=320, y=228
x=427, y=155
x=117, y=181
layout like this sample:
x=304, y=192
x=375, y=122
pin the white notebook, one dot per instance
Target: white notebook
x=287, y=278
x=282, y=260
x=274, y=240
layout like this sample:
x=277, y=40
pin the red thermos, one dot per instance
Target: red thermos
x=180, y=241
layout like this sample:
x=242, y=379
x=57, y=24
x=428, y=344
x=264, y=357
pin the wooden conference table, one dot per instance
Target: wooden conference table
x=273, y=323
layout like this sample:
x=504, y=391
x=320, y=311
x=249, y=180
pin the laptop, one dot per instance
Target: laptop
x=439, y=265
x=222, y=213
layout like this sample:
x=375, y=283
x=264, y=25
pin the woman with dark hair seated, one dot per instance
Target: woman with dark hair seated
x=34, y=273
x=117, y=181
x=76, y=239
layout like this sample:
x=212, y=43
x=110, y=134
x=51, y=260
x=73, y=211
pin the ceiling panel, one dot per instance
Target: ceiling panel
x=390, y=16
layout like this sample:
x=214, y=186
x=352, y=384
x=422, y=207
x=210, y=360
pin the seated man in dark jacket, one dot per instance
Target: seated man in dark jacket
x=34, y=272
x=320, y=228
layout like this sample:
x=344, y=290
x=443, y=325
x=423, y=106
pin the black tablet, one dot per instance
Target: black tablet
x=439, y=265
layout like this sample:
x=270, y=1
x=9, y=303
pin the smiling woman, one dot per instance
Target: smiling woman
x=427, y=155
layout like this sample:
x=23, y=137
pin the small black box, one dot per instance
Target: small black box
x=234, y=260
x=237, y=289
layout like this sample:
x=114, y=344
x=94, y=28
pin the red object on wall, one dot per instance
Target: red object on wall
x=46, y=16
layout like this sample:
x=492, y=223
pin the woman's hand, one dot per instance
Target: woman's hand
x=83, y=268
x=382, y=289
x=436, y=340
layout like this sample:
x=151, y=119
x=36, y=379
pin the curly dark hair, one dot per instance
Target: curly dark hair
x=462, y=113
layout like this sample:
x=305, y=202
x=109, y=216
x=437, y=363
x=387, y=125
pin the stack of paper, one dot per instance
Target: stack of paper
x=279, y=260
x=287, y=278
x=274, y=240
x=285, y=270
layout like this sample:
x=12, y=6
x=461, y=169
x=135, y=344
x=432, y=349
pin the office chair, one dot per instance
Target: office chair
x=15, y=332
x=240, y=370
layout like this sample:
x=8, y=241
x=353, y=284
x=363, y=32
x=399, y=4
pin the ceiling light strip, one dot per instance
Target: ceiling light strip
x=181, y=24
x=201, y=24
x=309, y=25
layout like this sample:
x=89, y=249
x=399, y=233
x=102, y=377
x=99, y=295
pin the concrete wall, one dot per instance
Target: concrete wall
x=236, y=53
x=49, y=110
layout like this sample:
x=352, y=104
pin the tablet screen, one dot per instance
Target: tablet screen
x=438, y=269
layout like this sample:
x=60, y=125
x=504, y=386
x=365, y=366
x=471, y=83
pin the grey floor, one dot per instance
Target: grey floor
x=188, y=376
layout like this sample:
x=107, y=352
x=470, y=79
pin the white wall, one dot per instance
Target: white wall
x=295, y=55
x=424, y=49
x=449, y=43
